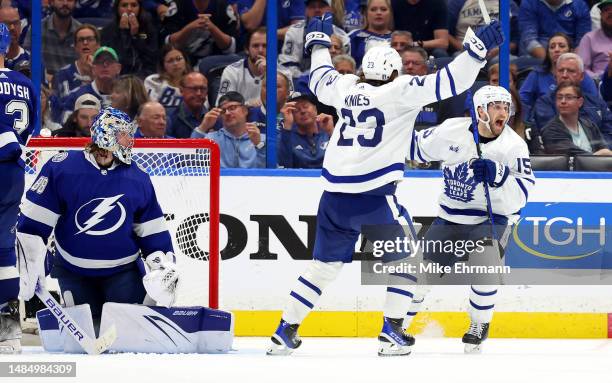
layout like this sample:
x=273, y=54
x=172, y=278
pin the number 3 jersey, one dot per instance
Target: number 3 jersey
x=103, y=219
x=371, y=139
x=463, y=199
x=18, y=113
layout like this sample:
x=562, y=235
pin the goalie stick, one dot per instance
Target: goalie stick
x=91, y=346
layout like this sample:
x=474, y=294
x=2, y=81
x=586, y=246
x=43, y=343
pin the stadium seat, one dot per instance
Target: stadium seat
x=549, y=162
x=593, y=163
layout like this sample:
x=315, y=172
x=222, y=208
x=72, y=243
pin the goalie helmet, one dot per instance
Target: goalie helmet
x=489, y=94
x=379, y=62
x=5, y=39
x=113, y=130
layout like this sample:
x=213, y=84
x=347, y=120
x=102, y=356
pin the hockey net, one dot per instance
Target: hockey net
x=185, y=174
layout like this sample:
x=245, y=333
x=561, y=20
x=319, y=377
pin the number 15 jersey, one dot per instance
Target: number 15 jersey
x=372, y=137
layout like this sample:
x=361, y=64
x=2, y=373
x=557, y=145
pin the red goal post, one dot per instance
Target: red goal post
x=183, y=171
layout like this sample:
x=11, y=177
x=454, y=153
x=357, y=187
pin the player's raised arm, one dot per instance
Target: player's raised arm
x=459, y=74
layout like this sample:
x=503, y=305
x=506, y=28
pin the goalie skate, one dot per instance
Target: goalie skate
x=285, y=339
x=474, y=337
x=393, y=341
x=10, y=329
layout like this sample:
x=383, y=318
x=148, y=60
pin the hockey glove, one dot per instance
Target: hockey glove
x=318, y=32
x=31, y=253
x=491, y=172
x=162, y=278
x=486, y=38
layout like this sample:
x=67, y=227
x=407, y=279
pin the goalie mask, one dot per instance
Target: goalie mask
x=113, y=130
x=5, y=39
x=379, y=62
x=488, y=95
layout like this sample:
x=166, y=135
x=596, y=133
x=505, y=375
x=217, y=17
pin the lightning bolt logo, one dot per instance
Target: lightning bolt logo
x=105, y=206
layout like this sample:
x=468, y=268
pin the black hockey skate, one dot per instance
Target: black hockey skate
x=393, y=340
x=285, y=339
x=10, y=329
x=473, y=338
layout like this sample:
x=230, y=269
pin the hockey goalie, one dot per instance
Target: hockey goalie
x=114, y=258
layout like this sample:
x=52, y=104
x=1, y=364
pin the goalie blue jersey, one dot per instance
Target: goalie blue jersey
x=18, y=113
x=103, y=219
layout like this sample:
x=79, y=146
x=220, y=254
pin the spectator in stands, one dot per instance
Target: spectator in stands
x=246, y=76
x=606, y=82
x=164, y=86
x=344, y=64
x=202, y=28
x=304, y=133
x=569, y=132
x=596, y=45
x=539, y=20
x=132, y=34
x=291, y=58
x=242, y=144
x=493, y=75
x=128, y=94
x=542, y=80
x=15, y=54
x=466, y=13
x=58, y=31
x=86, y=108
x=257, y=108
x=102, y=9
x=105, y=71
x=400, y=40
x=378, y=27
x=426, y=20
x=353, y=14
x=571, y=70
x=253, y=12
x=47, y=124
x=78, y=73
x=191, y=111
x=151, y=120
x=335, y=48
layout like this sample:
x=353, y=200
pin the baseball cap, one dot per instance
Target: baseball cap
x=231, y=96
x=87, y=101
x=107, y=50
x=296, y=96
x=328, y=2
x=604, y=3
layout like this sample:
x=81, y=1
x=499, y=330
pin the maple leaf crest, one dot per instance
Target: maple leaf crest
x=458, y=185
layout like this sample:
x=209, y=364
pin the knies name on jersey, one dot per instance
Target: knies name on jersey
x=356, y=100
x=14, y=90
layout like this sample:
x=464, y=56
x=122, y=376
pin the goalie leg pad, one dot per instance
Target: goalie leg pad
x=160, y=330
x=54, y=336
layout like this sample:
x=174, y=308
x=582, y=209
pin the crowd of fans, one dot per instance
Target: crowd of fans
x=196, y=68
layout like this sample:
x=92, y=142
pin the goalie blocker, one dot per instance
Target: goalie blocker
x=148, y=329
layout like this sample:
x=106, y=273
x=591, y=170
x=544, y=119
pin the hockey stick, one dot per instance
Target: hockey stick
x=485, y=13
x=478, y=150
x=91, y=346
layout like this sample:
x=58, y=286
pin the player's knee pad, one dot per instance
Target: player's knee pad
x=156, y=329
x=56, y=339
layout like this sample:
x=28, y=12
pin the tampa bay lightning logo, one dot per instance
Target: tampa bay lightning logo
x=100, y=216
x=458, y=185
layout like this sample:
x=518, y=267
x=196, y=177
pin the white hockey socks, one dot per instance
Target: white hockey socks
x=416, y=304
x=482, y=302
x=308, y=289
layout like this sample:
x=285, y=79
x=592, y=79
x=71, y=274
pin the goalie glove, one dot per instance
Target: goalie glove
x=162, y=278
x=318, y=32
x=31, y=253
x=486, y=38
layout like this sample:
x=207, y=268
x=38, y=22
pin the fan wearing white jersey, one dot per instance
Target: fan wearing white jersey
x=463, y=213
x=363, y=163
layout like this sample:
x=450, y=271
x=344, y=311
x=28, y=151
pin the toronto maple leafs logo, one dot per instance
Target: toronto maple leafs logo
x=458, y=185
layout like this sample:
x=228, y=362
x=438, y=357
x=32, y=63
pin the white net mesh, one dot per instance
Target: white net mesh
x=182, y=181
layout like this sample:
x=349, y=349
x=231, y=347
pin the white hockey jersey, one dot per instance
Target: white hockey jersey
x=161, y=91
x=291, y=59
x=237, y=77
x=372, y=137
x=463, y=199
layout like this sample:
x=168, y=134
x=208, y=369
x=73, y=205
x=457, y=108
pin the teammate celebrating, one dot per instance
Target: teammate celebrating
x=104, y=213
x=463, y=213
x=18, y=116
x=364, y=162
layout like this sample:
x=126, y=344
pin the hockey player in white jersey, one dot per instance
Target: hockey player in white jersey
x=463, y=213
x=363, y=163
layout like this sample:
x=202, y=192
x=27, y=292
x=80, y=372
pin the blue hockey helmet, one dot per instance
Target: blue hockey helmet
x=5, y=39
x=113, y=130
